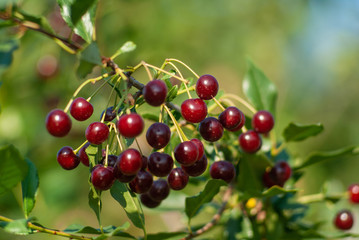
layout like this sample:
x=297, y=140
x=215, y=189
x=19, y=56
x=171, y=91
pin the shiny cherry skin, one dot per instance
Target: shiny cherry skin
x=250, y=141
x=194, y=110
x=211, y=129
x=83, y=155
x=67, y=158
x=122, y=177
x=148, y=202
x=186, y=153
x=344, y=220
x=177, y=179
x=198, y=168
x=102, y=177
x=160, y=164
x=222, y=170
x=277, y=175
x=129, y=162
x=262, y=121
x=230, y=118
x=58, y=123
x=142, y=183
x=130, y=125
x=240, y=125
x=155, y=92
x=96, y=133
x=199, y=146
x=159, y=190
x=354, y=193
x=158, y=135
x=207, y=87
x=111, y=160
x=81, y=109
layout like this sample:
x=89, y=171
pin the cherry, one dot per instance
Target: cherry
x=199, y=146
x=96, y=133
x=230, y=118
x=194, y=110
x=129, y=162
x=83, y=155
x=240, y=125
x=111, y=160
x=102, y=177
x=144, y=162
x=277, y=175
x=47, y=67
x=250, y=141
x=130, y=125
x=122, y=177
x=142, y=183
x=160, y=164
x=268, y=181
x=211, y=129
x=158, y=135
x=177, y=179
x=197, y=168
x=344, y=220
x=110, y=114
x=58, y=123
x=155, y=92
x=67, y=158
x=222, y=170
x=186, y=153
x=148, y=202
x=159, y=190
x=354, y=193
x=262, y=121
x=207, y=87
x=81, y=109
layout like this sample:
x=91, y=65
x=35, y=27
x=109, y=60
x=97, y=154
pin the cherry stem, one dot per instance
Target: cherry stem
x=185, y=85
x=217, y=158
x=164, y=71
x=185, y=65
x=181, y=134
x=106, y=157
x=99, y=88
x=320, y=197
x=241, y=100
x=78, y=149
x=219, y=104
x=147, y=70
x=117, y=137
x=138, y=145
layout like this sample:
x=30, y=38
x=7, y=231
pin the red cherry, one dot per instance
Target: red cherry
x=194, y=110
x=97, y=132
x=207, y=87
x=344, y=220
x=81, y=109
x=58, y=123
x=155, y=92
x=67, y=158
x=354, y=193
x=130, y=125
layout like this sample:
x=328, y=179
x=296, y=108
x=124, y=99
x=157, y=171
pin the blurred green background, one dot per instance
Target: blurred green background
x=309, y=49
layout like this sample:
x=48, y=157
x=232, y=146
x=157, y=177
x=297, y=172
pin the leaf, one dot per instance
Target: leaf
x=40, y=20
x=323, y=156
x=79, y=8
x=29, y=188
x=150, y=116
x=193, y=204
x=95, y=203
x=298, y=132
x=260, y=91
x=13, y=168
x=276, y=190
x=172, y=93
x=6, y=51
x=18, y=227
x=126, y=47
x=166, y=235
x=89, y=58
x=130, y=204
x=78, y=228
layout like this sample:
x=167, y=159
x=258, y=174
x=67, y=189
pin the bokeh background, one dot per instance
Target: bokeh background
x=309, y=49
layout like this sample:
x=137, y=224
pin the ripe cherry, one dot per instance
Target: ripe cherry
x=129, y=162
x=130, y=125
x=230, y=118
x=81, y=109
x=194, y=110
x=262, y=121
x=197, y=168
x=97, y=132
x=177, y=179
x=158, y=135
x=110, y=114
x=354, y=193
x=111, y=160
x=222, y=170
x=144, y=162
x=240, y=125
x=277, y=175
x=199, y=146
x=250, y=141
x=159, y=190
x=122, y=177
x=344, y=220
x=160, y=164
x=83, y=155
x=58, y=123
x=67, y=158
x=155, y=92
x=142, y=183
x=186, y=153
x=148, y=202
x=211, y=129
x=207, y=87
x=102, y=177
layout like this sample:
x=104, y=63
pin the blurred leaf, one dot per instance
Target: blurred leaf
x=260, y=91
x=6, y=23
x=193, y=204
x=166, y=235
x=95, y=203
x=40, y=20
x=130, y=204
x=126, y=47
x=6, y=50
x=150, y=116
x=323, y=156
x=13, y=168
x=4, y=3
x=172, y=93
x=91, y=151
x=79, y=8
x=299, y=132
x=29, y=188
x=129, y=141
x=89, y=58
x=18, y=227
x=276, y=190
x=109, y=230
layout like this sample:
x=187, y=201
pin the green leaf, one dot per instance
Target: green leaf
x=166, y=235
x=130, y=204
x=129, y=141
x=40, y=20
x=298, y=132
x=13, y=168
x=4, y=4
x=276, y=190
x=6, y=51
x=79, y=8
x=18, y=227
x=260, y=91
x=89, y=58
x=95, y=203
x=29, y=188
x=324, y=156
x=172, y=93
x=78, y=228
x=193, y=204
x=126, y=47
x=150, y=116
x=6, y=23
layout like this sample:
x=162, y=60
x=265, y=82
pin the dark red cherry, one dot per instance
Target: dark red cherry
x=230, y=118
x=110, y=114
x=97, y=132
x=67, y=158
x=344, y=220
x=211, y=129
x=240, y=125
x=155, y=92
x=111, y=160
x=194, y=110
x=122, y=177
x=158, y=135
x=129, y=162
x=102, y=177
x=58, y=123
x=268, y=181
x=148, y=202
x=354, y=193
x=142, y=183
x=159, y=190
x=186, y=153
x=144, y=162
x=130, y=125
x=222, y=170
x=262, y=121
x=281, y=172
x=197, y=168
x=199, y=146
x=207, y=87
x=81, y=109
x=83, y=155
x=250, y=141
x=160, y=164
x=177, y=179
